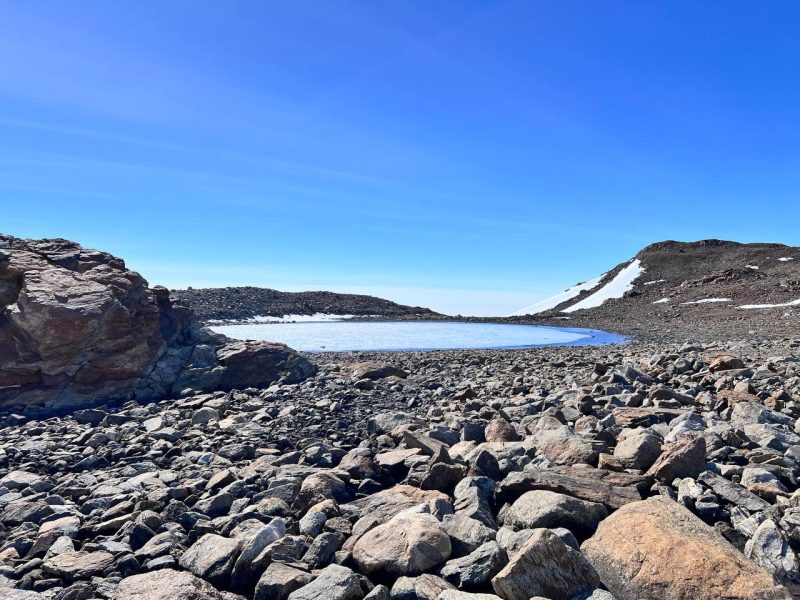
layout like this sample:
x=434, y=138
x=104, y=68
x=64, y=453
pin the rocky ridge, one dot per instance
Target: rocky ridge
x=243, y=303
x=78, y=328
x=694, y=290
x=552, y=473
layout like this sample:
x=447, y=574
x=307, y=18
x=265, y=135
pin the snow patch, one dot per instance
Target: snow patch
x=708, y=300
x=784, y=305
x=616, y=288
x=315, y=318
x=552, y=302
x=654, y=282
x=754, y=267
x=662, y=301
x=785, y=259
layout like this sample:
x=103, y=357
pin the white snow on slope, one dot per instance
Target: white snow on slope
x=552, y=302
x=784, y=305
x=754, y=267
x=616, y=288
x=785, y=259
x=662, y=301
x=654, y=282
x=708, y=300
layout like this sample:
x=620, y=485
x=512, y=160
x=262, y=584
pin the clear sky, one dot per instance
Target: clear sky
x=469, y=156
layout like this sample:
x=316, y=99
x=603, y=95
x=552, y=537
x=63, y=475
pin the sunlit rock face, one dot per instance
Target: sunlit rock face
x=78, y=328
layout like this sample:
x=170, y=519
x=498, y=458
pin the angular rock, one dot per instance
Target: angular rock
x=638, y=448
x=733, y=492
x=212, y=558
x=770, y=550
x=466, y=534
x=280, y=580
x=334, y=582
x=476, y=568
x=685, y=457
x=545, y=566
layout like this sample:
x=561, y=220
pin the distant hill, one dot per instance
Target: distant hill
x=240, y=303
x=704, y=284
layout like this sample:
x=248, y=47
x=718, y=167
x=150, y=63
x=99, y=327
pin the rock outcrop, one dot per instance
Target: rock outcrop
x=77, y=328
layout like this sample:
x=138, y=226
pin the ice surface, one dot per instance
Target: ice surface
x=412, y=335
x=615, y=288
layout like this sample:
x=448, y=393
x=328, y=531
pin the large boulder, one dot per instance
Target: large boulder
x=166, y=584
x=408, y=544
x=212, y=557
x=77, y=328
x=658, y=549
x=541, y=508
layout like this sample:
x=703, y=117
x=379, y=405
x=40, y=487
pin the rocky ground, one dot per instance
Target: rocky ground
x=645, y=471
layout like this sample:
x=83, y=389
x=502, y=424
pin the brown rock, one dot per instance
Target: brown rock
x=77, y=327
x=726, y=362
x=375, y=370
x=166, y=584
x=78, y=565
x=658, y=549
x=500, y=430
x=685, y=457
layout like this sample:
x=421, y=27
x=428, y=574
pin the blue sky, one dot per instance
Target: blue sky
x=468, y=156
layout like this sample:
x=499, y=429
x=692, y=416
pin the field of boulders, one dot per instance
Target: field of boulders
x=644, y=471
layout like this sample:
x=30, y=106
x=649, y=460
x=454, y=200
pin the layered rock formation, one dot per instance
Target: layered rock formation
x=78, y=328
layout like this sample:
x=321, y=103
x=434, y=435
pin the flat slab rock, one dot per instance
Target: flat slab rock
x=609, y=488
x=658, y=549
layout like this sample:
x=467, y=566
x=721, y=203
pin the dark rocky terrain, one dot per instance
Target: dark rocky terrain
x=688, y=272
x=242, y=303
x=555, y=473
x=656, y=470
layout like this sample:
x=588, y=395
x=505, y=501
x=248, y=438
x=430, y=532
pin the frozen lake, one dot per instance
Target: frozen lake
x=341, y=336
